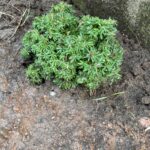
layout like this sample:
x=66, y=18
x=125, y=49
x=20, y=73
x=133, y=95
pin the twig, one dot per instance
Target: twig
x=101, y=98
x=27, y=16
x=147, y=129
x=119, y=93
x=9, y=4
x=15, y=7
x=6, y=14
x=19, y=23
x=28, y=12
x=106, y=97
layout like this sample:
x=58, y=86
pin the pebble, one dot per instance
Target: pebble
x=53, y=118
x=146, y=100
x=52, y=93
x=16, y=109
x=144, y=122
x=137, y=70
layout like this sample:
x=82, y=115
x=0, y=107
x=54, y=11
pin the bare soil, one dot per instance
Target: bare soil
x=46, y=118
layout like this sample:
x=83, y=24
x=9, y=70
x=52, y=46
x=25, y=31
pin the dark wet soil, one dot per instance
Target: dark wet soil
x=47, y=118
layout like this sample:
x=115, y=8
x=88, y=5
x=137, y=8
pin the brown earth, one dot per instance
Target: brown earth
x=32, y=118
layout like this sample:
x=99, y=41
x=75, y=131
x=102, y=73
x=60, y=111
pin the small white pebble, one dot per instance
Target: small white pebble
x=19, y=120
x=52, y=93
x=53, y=118
x=36, y=105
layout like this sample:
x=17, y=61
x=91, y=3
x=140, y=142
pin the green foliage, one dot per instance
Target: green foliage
x=25, y=54
x=33, y=73
x=72, y=50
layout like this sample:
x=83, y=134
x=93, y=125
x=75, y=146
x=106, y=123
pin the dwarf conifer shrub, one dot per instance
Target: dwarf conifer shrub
x=72, y=51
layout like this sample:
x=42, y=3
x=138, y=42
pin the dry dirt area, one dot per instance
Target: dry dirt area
x=47, y=118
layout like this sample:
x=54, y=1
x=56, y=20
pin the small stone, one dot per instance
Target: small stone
x=137, y=70
x=16, y=109
x=18, y=120
x=46, y=98
x=36, y=105
x=146, y=100
x=146, y=65
x=52, y=93
x=144, y=122
x=53, y=118
x=26, y=134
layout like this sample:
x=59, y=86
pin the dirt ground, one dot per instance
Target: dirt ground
x=47, y=118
